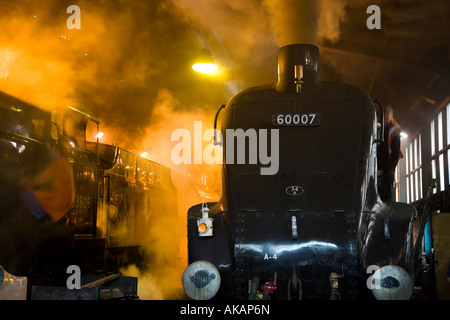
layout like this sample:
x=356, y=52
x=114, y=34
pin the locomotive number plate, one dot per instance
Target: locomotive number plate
x=296, y=119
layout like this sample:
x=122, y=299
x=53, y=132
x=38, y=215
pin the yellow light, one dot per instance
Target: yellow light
x=206, y=68
x=99, y=135
x=143, y=154
x=205, y=63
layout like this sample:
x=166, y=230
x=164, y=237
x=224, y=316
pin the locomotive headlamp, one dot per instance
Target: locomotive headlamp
x=201, y=280
x=391, y=282
x=205, y=63
x=205, y=224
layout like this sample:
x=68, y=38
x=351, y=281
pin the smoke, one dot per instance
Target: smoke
x=30, y=55
x=303, y=21
x=126, y=51
x=114, y=64
x=195, y=183
x=252, y=31
x=332, y=15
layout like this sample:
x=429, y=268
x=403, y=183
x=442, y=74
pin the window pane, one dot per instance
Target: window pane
x=433, y=172
x=416, y=186
x=420, y=150
x=415, y=153
x=448, y=164
x=433, y=169
x=432, y=138
x=420, y=184
x=411, y=167
x=407, y=160
x=441, y=173
x=448, y=122
x=440, y=132
x=407, y=190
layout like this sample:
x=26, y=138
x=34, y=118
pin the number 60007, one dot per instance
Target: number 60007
x=296, y=119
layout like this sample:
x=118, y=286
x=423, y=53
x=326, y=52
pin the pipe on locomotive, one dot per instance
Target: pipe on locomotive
x=298, y=68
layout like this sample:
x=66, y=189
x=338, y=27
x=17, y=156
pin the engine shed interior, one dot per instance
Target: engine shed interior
x=113, y=149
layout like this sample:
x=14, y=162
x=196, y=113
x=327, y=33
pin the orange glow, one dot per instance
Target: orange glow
x=202, y=227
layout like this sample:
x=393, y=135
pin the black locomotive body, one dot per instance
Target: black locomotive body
x=315, y=228
x=67, y=199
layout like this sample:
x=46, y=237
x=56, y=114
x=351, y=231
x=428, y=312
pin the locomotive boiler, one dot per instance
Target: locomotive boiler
x=312, y=225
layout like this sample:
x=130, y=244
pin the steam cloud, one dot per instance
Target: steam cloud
x=118, y=61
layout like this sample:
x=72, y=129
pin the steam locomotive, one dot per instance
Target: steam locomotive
x=316, y=227
x=67, y=200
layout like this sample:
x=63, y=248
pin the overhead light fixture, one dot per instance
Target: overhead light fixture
x=205, y=63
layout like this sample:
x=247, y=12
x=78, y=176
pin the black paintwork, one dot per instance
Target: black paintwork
x=340, y=219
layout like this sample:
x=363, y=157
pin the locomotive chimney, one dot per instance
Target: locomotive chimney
x=298, y=68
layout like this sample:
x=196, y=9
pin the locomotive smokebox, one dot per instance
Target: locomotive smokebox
x=298, y=68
